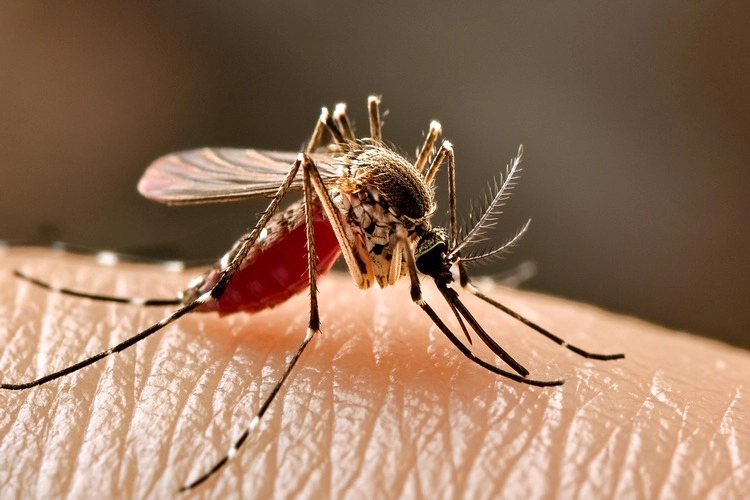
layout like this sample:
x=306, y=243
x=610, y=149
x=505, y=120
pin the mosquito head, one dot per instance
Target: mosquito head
x=432, y=255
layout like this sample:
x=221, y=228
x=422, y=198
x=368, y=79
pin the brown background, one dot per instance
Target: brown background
x=635, y=119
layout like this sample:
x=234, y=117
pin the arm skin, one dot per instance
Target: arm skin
x=381, y=405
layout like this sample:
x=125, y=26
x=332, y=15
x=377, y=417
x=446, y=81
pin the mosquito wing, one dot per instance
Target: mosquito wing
x=212, y=175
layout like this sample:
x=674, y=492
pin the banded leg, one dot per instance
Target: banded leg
x=206, y=297
x=136, y=301
x=244, y=246
x=416, y=297
x=342, y=122
x=467, y=285
x=104, y=258
x=313, y=327
x=333, y=127
x=249, y=240
x=446, y=151
x=361, y=277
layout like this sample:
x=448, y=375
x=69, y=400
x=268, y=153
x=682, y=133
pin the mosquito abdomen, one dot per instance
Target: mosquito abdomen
x=276, y=268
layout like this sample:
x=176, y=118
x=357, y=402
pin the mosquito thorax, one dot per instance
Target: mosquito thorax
x=400, y=187
x=379, y=192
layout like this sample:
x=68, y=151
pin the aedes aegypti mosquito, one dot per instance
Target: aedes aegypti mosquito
x=360, y=199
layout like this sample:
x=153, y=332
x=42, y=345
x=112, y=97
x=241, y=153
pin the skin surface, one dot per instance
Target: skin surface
x=381, y=405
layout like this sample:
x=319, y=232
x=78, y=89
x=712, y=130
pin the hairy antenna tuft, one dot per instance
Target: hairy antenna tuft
x=499, y=191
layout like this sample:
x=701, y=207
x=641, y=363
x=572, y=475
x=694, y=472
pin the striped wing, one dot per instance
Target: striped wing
x=212, y=175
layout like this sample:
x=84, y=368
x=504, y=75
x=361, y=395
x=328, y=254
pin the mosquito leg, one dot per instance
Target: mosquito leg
x=332, y=127
x=247, y=241
x=214, y=293
x=119, y=347
x=429, y=144
x=137, y=301
x=342, y=122
x=373, y=108
x=244, y=245
x=461, y=322
x=103, y=257
x=446, y=151
x=313, y=327
x=317, y=136
x=362, y=279
x=451, y=297
x=467, y=285
x=437, y=161
x=416, y=296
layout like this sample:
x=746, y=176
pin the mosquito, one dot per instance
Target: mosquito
x=361, y=199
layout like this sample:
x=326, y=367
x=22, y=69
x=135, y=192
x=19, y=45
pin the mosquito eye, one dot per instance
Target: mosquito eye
x=431, y=261
x=430, y=252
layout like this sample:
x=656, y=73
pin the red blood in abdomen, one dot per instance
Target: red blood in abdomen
x=276, y=272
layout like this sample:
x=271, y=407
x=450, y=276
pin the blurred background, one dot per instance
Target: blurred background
x=635, y=118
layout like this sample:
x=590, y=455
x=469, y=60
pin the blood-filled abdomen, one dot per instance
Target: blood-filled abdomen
x=276, y=266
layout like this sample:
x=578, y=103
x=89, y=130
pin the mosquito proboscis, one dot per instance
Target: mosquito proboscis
x=360, y=199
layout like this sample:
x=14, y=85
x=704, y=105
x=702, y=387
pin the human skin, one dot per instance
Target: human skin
x=381, y=405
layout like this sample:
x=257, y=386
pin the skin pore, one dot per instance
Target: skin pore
x=381, y=404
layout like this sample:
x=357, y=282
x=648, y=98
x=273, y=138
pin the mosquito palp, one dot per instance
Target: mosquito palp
x=361, y=200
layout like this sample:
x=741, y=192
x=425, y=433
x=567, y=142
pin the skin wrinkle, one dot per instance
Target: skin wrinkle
x=74, y=429
x=385, y=334
x=186, y=412
x=89, y=427
x=593, y=458
x=180, y=402
x=151, y=382
x=128, y=412
x=367, y=426
x=661, y=395
x=470, y=456
x=519, y=469
x=678, y=456
x=86, y=418
x=580, y=424
x=481, y=440
x=733, y=449
x=420, y=426
x=410, y=366
x=628, y=455
x=314, y=415
x=220, y=440
x=727, y=428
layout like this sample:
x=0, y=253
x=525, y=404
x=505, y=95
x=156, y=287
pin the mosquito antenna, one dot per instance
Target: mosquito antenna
x=256, y=420
x=416, y=296
x=488, y=219
x=495, y=252
x=451, y=297
x=138, y=301
x=112, y=350
x=466, y=284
